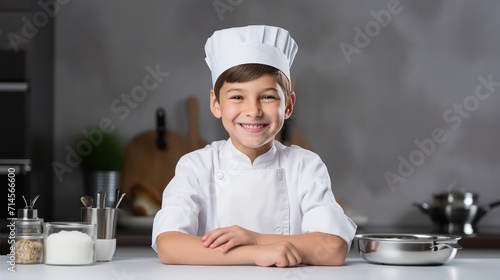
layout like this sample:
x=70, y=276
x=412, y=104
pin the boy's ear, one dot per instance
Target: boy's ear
x=289, y=106
x=214, y=105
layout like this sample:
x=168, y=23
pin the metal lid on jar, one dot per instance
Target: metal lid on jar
x=28, y=212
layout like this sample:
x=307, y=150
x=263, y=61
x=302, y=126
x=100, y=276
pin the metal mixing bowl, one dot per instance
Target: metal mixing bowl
x=407, y=249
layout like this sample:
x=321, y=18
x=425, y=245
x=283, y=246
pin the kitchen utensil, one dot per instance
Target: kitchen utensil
x=101, y=200
x=117, y=196
x=407, y=249
x=146, y=163
x=194, y=134
x=456, y=212
x=87, y=201
x=98, y=203
x=120, y=200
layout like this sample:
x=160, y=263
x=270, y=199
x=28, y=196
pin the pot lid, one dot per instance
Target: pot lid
x=456, y=197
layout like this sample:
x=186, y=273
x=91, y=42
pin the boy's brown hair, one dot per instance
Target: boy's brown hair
x=249, y=72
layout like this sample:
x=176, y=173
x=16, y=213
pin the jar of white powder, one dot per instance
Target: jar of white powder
x=69, y=243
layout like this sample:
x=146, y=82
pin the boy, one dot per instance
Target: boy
x=250, y=199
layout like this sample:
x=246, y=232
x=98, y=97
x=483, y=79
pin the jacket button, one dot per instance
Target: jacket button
x=220, y=176
x=280, y=175
x=279, y=231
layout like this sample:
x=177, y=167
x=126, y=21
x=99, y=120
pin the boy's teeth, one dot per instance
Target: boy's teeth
x=253, y=126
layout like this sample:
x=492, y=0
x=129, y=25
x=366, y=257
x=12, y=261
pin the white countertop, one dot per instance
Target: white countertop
x=146, y=251
x=140, y=263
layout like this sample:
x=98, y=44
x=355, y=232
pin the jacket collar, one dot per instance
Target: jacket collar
x=232, y=158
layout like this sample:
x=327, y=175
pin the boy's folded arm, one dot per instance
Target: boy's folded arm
x=180, y=248
x=317, y=248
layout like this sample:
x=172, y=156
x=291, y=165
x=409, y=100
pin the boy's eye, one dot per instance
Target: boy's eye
x=236, y=97
x=268, y=97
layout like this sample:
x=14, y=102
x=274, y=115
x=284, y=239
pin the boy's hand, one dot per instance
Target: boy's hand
x=228, y=237
x=281, y=254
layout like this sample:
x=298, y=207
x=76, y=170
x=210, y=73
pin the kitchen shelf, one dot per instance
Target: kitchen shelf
x=13, y=87
x=22, y=166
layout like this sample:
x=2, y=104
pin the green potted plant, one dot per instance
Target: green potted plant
x=102, y=163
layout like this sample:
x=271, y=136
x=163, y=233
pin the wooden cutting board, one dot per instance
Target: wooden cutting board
x=151, y=157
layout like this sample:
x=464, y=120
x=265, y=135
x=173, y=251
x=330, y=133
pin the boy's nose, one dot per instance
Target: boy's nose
x=253, y=109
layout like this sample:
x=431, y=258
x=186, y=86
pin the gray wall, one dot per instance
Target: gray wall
x=415, y=78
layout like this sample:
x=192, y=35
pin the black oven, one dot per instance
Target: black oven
x=15, y=166
x=26, y=111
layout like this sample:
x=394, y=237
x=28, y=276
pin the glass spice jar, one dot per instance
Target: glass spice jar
x=29, y=249
x=28, y=235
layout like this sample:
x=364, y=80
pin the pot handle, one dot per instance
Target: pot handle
x=439, y=246
x=492, y=205
x=423, y=206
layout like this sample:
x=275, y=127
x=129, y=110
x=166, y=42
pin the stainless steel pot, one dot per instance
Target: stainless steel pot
x=456, y=212
x=407, y=249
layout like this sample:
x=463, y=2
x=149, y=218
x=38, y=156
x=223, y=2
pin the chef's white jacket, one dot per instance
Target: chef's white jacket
x=285, y=191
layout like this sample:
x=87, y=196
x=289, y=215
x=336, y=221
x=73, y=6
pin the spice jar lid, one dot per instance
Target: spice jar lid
x=27, y=213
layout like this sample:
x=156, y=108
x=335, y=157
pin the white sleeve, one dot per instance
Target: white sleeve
x=180, y=203
x=321, y=213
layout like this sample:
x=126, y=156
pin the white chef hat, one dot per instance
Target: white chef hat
x=260, y=44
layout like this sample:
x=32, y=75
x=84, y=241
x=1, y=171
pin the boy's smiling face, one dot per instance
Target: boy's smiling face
x=252, y=113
